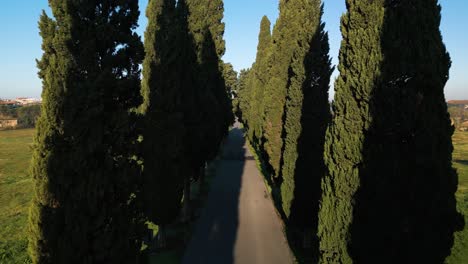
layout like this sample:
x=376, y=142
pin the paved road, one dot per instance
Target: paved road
x=239, y=223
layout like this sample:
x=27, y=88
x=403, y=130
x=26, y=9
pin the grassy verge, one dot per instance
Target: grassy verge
x=460, y=162
x=15, y=194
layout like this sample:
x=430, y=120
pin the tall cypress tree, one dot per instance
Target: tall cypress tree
x=276, y=88
x=164, y=146
x=248, y=101
x=207, y=15
x=197, y=107
x=307, y=117
x=230, y=78
x=84, y=175
x=409, y=184
x=390, y=190
x=360, y=59
x=207, y=29
x=258, y=82
x=242, y=100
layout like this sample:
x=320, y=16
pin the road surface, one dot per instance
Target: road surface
x=239, y=223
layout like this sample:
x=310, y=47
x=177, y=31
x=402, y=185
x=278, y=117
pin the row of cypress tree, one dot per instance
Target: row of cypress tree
x=284, y=106
x=376, y=182
x=113, y=151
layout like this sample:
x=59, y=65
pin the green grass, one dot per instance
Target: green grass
x=460, y=162
x=15, y=194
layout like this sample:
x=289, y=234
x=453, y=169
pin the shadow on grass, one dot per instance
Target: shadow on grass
x=463, y=162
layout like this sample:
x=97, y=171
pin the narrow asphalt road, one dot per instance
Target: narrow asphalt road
x=239, y=223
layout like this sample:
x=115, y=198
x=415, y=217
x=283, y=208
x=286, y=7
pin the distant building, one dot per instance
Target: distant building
x=8, y=123
x=458, y=102
x=8, y=103
x=27, y=101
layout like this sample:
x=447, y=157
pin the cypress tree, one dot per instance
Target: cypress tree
x=165, y=165
x=207, y=29
x=276, y=89
x=360, y=58
x=408, y=147
x=82, y=210
x=195, y=108
x=258, y=81
x=248, y=102
x=207, y=15
x=230, y=78
x=389, y=193
x=243, y=104
x=307, y=117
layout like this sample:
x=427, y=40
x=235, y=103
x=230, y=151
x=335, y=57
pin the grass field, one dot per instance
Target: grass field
x=16, y=193
x=460, y=162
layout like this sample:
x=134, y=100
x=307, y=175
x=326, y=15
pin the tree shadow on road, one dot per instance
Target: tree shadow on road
x=215, y=234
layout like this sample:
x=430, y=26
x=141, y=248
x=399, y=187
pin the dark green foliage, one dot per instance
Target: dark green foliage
x=284, y=98
x=408, y=184
x=28, y=115
x=307, y=117
x=230, y=77
x=187, y=109
x=163, y=137
x=207, y=15
x=258, y=82
x=389, y=194
x=211, y=77
x=207, y=29
x=284, y=38
x=82, y=209
x=360, y=59
x=242, y=102
x=8, y=111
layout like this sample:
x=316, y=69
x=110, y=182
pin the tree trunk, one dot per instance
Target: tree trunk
x=161, y=239
x=202, y=179
x=148, y=237
x=307, y=239
x=186, y=210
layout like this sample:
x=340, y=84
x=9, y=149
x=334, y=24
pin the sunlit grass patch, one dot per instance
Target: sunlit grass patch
x=15, y=194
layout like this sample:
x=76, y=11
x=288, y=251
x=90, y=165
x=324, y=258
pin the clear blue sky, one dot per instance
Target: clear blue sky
x=21, y=44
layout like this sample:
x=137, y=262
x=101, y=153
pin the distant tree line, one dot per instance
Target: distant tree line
x=458, y=113
x=27, y=115
x=112, y=151
x=375, y=184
